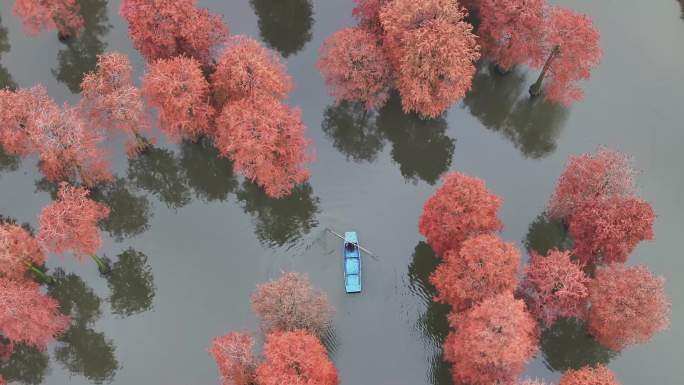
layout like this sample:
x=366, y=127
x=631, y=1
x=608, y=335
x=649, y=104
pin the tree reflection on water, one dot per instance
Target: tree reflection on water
x=353, y=131
x=129, y=214
x=210, y=176
x=131, y=284
x=278, y=222
x=568, y=345
x=420, y=146
x=5, y=77
x=433, y=322
x=81, y=350
x=285, y=25
x=501, y=103
x=545, y=234
x=80, y=54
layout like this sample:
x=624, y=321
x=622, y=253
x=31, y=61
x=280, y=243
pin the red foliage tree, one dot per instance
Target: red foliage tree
x=368, y=14
x=234, y=357
x=607, y=230
x=492, y=343
x=512, y=32
x=111, y=100
x=572, y=50
x=2, y=380
x=483, y=267
x=554, y=286
x=27, y=315
x=68, y=148
x=39, y=15
x=628, y=306
x=588, y=177
x=291, y=303
x=178, y=89
x=161, y=29
x=266, y=141
x=461, y=208
x=70, y=223
x=355, y=68
x=599, y=375
x=296, y=358
x=19, y=251
x=432, y=51
x=18, y=112
x=247, y=69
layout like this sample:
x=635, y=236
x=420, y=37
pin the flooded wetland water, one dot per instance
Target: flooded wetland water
x=197, y=238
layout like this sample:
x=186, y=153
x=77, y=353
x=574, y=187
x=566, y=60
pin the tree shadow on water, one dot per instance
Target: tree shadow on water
x=501, y=103
x=79, y=56
x=353, y=131
x=420, y=146
x=280, y=221
x=8, y=163
x=285, y=25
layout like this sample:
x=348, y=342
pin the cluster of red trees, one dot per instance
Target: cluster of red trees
x=28, y=315
x=496, y=317
x=426, y=50
x=236, y=98
x=293, y=317
x=62, y=15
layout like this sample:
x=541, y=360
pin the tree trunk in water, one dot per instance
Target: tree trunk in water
x=536, y=88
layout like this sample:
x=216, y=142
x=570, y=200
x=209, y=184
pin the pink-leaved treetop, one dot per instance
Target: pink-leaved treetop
x=572, y=51
x=247, y=69
x=40, y=15
x=234, y=356
x=598, y=375
x=18, y=114
x=355, y=68
x=607, y=230
x=483, y=267
x=295, y=357
x=162, y=29
x=2, y=380
x=461, y=208
x=554, y=286
x=628, y=306
x=265, y=139
x=111, y=100
x=290, y=303
x=19, y=252
x=70, y=224
x=69, y=149
x=512, y=32
x=27, y=315
x=178, y=89
x=367, y=12
x=588, y=177
x=432, y=51
x=492, y=343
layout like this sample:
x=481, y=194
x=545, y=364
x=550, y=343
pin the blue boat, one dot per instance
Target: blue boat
x=352, y=263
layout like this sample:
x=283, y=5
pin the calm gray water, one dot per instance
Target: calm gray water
x=198, y=239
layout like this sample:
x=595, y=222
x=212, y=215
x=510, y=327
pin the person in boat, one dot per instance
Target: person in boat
x=350, y=246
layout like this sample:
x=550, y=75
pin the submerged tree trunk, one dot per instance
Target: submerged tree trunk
x=536, y=88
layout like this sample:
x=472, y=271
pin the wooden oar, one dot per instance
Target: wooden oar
x=360, y=247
